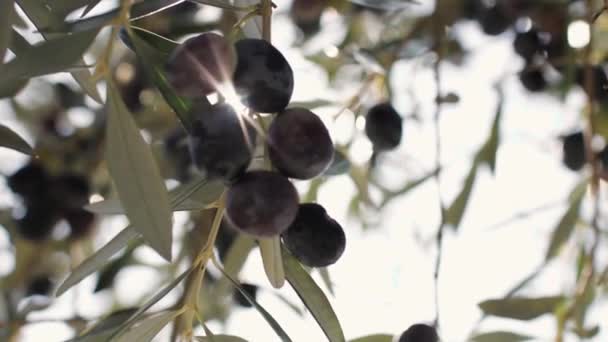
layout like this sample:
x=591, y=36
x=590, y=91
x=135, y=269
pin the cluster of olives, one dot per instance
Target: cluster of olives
x=261, y=203
x=541, y=39
x=48, y=199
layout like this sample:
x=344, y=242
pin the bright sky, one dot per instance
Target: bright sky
x=384, y=280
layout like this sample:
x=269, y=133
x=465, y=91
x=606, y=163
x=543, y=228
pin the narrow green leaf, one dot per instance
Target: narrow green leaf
x=324, y=272
x=138, y=10
x=223, y=4
x=235, y=260
x=374, y=338
x=90, y=6
x=488, y=152
x=109, y=272
x=160, y=43
x=521, y=308
x=270, y=250
x=567, y=223
x=40, y=15
x=500, y=336
x=409, y=187
x=313, y=297
x=196, y=195
x=220, y=338
x=48, y=57
x=312, y=104
x=269, y=319
x=102, y=330
x=455, y=212
x=7, y=8
x=97, y=260
x=12, y=140
x=148, y=304
x=153, y=63
x=145, y=330
x=137, y=178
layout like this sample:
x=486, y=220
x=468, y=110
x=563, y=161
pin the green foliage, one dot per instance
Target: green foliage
x=521, y=308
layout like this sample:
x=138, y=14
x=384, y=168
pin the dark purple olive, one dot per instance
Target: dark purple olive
x=200, y=64
x=38, y=222
x=299, y=144
x=383, y=126
x=263, y=78
x=219, y=146
x=261, y=203
x=81, y=223
x=533, y=80
x=574, y=156
x=419, y=333
x=314, y=238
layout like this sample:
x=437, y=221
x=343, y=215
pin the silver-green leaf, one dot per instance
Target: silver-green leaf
x=145, y=330
x=374, y=338
x=220, y=338
x=48, y=57
x=270, y=250
x=97, y=260
x=500, y=336
x=313, y=297
x=10, y=139
x=521, y=308
x=136, y=176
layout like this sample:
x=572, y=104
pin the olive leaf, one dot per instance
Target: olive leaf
x=268, y=317
x=97, y=260
x=270, y=249
x=567, y=223
x=488, y=151
x=136, y=176
x=42, y=17
x=220, y=338
x=313, y=297
x=7, y=8
x=48, y=57
x=235, y=260
x=148, y=304
x=146, y=329
x=374, y=338
x=90, y=6
x=139, y=10
x=521, y=308
x=10, y=139
x=101, y=331
x=500, y=336
x=324, y=272
x=153, y=63
x=455, y=212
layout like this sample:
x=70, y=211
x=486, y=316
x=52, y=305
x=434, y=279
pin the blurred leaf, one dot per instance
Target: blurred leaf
x=101, y=331
x=12, y=140
x=271, y=321
x=374, y=338
x=224, y=4
x=253, y=26
x=340, y=165
x=488, y=152
x=521, y=308
x=92, y=4
x=235, y=259
x=160, y=43
x=220, y=338
x=272, y=259
x=146, y=329
x=313, y=297
x=455, y=211
x=408, y=187
x=41, y=17
x=97, y=260
x=7, y=8
x=48, y=57
x=587, y=333
x=566, y=224
x=148, y=304
x=138, y=10
x=324, y=272
x=387, y=5
x=500, y=336
x=136, y=176
x=312, y=104
x=153, y=63
x=109, y=271
x=524, y=282
x=195, y=195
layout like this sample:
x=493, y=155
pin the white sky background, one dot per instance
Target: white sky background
x=384, y=280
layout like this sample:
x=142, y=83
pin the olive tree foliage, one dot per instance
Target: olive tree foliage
x=118, y=62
